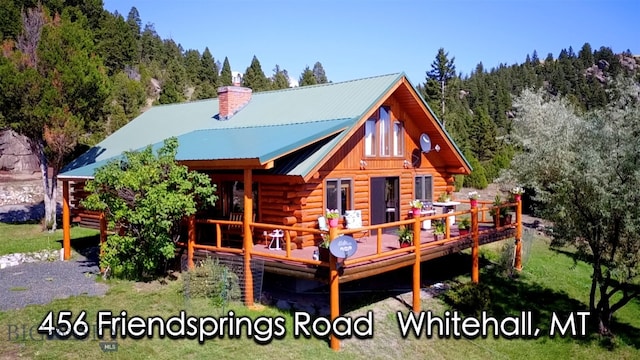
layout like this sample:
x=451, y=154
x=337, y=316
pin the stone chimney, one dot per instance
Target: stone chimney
x=231, y=99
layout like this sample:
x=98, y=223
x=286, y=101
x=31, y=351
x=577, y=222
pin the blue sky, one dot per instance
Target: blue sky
x=355, y=39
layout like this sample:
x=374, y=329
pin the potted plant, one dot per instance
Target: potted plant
x=416, y=207
x=405, y=236
x=438, y=229
x=517, y=193
x=444, y=197
x=323, y=248
x=332, y=217
x=463, y=226
x=473, y=198
x=500, y=214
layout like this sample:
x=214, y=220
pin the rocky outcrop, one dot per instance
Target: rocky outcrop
x=15, y=153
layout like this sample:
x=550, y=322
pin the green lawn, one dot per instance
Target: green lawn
x=23, y=238
x=550, y=281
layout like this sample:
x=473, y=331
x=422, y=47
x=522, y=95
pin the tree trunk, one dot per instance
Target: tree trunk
x=50, y=198
x=604, y=321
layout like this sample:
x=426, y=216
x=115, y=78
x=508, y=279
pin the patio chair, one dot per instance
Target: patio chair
x=353, y=219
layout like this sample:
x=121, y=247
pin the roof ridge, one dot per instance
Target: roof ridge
x=273, y=125
x=325, y=84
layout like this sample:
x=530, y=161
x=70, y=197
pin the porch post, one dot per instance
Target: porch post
x=334, y=289
x=191, y=241
x=248, y=238
x=416, y=265
x=66, y=221
x=103, y=234
x=475, y=277
x=518, y=259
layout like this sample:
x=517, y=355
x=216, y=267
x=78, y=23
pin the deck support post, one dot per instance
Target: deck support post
x=475, y=249
x=518, y=256
x=416, y=265
x=103, y=234
x=248, y=238
x=66, y=222
x=191, y=241
x=334, y=290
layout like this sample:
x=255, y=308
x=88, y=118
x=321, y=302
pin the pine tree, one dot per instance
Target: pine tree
x=254, y=77
x=318, y=73
x=307, y=78
x=225, y=76
x=208, y=69
x=280, y=80
x=586, y=55
x=442, y=70
x=134, y=21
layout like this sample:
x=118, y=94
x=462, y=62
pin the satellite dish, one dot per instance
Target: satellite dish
x=425, y=143
x=343, y=246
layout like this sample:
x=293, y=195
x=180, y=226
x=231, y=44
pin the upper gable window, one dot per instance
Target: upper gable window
x=382, y=135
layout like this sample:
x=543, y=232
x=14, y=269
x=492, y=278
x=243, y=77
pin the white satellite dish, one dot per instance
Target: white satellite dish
x=425, y=143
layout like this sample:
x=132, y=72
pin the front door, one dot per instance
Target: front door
x=384, y=200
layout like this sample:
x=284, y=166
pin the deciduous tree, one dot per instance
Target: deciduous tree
x=145, y=196
x=584, y=169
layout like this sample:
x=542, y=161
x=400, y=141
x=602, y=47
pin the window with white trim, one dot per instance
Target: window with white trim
x=339, y=194
x=424, y=187
x=383, y=136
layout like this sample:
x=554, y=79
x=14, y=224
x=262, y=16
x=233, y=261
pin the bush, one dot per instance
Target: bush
x=145, y=197
x=210, y=279
x=478, y=178
x=458, y=181
x=471, y=299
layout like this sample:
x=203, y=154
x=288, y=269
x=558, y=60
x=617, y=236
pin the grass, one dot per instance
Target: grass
x=550, y=282
x=23, y=238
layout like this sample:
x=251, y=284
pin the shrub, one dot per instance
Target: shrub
x=210, y=279
x=478, y=178
x=145, y=196
x=471, y=299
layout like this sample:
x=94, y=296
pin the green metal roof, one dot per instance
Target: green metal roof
x=309, y=120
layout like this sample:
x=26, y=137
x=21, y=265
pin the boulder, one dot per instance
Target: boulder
x=15, y=153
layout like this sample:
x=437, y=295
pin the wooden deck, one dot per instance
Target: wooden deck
x=370, y=258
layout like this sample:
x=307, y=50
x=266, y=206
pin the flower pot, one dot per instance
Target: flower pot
x=517, y=197
x=405, y=244
x=333, y=223
x=437, y=237
x=506, y=220
x=474, y=202
x=416, y=212
x=463, y=232
x=324, y=254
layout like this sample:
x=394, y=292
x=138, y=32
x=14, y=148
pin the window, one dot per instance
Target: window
x=382, y=135
x=370, y=137
x=398, y=139
x=339, y=195
x=424, y=187
x=385, y=130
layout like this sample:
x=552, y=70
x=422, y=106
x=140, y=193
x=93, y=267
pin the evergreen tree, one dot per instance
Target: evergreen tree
x=280, y=80
x=586, y=55
x=225, y=75
x=150, y=44
x=254, y=77
x=134, y=21
x=117, y=43
x=442, y=70
x=318, y=73
x=307, y=78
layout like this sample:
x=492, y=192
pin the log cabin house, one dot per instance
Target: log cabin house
x=353, y=145
x=280, y=158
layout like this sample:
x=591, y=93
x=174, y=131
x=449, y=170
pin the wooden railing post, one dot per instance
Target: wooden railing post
x=248, y=236
x=518, y=259
x=66, y=222
x=475, y=277
x=416, y=266
x=103, y=234
x=191, y=241
x=334, y=289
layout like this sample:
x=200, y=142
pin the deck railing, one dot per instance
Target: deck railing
x=483, y=212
